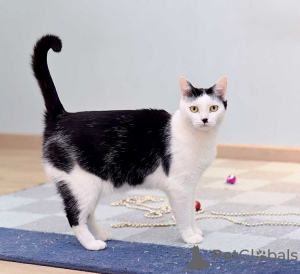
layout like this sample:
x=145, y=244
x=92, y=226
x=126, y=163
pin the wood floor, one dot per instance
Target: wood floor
x=17, y=268
x=21, y=169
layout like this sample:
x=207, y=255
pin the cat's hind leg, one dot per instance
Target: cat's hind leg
x=85, y=237
x=96, y=230
x=80, y=196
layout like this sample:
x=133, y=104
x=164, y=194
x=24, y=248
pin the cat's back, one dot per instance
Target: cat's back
x=141, y=120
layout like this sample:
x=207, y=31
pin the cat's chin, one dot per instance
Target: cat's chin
x=203, y=127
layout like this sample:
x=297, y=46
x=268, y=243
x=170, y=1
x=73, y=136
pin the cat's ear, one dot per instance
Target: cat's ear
x=220, y=87
x=185, y=86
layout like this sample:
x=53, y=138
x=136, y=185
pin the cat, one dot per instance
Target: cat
x=95, y=153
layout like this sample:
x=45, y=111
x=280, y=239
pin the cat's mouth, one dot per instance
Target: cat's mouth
x=205, y=126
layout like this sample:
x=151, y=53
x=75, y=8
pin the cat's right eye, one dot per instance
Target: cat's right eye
x=194, y=109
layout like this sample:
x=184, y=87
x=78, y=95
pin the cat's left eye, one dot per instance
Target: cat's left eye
x=213, y=108
x=194, y=109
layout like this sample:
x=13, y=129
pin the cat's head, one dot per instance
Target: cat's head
x=204, y=108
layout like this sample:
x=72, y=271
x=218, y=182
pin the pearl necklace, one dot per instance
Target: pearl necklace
x=157, y=212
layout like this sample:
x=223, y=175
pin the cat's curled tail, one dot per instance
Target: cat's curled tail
x=42, y=74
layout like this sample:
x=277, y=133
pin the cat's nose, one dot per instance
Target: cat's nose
x=205, y=120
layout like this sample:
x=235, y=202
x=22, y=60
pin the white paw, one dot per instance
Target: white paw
x=198, y=231
x=104, y=235
x=94, y=245
x=193, y=239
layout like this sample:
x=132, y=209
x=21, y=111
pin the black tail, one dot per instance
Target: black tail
x=42, y=74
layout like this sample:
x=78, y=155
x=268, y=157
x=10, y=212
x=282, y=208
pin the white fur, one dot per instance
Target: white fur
x=203, y=103
x=193, y=149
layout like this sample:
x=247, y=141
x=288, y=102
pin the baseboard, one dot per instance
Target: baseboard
x=228, y=151
x=259, y=153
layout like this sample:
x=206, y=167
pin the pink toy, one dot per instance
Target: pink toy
x=231, y=179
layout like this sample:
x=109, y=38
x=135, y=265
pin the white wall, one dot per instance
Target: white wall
x=129, y=54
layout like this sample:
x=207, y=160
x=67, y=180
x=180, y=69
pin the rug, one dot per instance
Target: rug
x=58, y=250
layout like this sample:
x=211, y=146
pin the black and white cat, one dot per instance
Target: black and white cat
x=95, y=153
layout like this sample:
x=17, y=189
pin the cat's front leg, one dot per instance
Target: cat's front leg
x=180, y=198
x=194, y=225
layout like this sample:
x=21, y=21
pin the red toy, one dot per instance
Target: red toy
x=197, y=205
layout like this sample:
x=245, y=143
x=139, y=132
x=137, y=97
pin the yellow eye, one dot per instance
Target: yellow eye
x=194, y=109
x=213, y=108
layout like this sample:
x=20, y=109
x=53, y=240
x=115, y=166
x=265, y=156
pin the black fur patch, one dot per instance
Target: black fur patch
x=59, y=156
x=121, y=146
x=70, y=203
x=197, y=92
